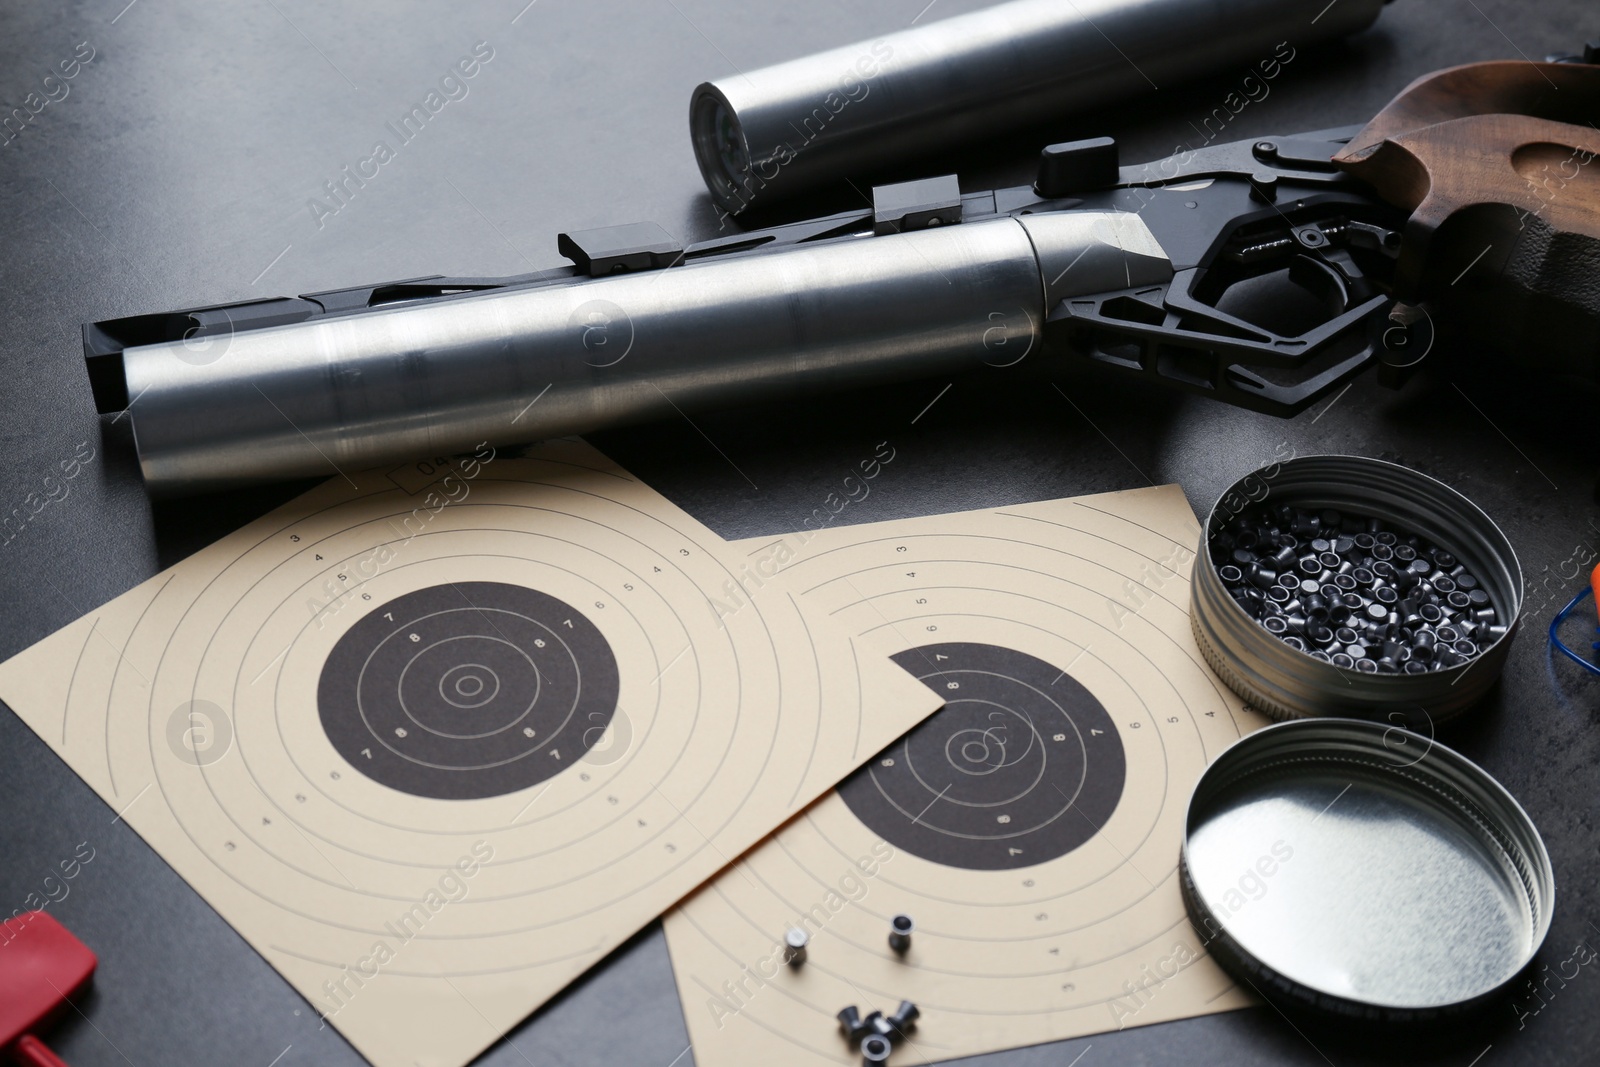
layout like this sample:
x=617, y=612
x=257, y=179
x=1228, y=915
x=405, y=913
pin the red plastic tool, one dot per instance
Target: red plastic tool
x=41, y=966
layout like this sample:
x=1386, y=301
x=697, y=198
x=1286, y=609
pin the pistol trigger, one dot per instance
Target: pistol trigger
x=1356, y=284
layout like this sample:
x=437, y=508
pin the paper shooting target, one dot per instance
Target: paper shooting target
x=1030, y=828
x=434, y=740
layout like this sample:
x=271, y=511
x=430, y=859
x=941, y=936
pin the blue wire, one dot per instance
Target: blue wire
x=1555, y=635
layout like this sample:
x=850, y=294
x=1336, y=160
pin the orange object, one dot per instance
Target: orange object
x=1594, y=580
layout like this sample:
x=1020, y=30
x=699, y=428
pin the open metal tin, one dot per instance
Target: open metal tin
x=1287, y=684
x=1364, y=872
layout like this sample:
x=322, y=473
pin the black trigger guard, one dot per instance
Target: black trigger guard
x=1167, y=336
x=1215, y=362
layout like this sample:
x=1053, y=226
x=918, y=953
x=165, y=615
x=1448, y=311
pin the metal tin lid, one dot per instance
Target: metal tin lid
x=1364, y=871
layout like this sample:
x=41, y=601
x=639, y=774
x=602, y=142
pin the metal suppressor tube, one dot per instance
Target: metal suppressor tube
x=770, y=133
x=439, y=378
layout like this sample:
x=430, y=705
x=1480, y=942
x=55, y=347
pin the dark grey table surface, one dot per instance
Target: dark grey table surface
x=177, y=170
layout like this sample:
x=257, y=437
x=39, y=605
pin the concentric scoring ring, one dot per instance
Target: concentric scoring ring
x=467, y=690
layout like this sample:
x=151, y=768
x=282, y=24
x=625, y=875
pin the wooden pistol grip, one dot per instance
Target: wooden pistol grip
x=1560, y=92
x=1497, y=163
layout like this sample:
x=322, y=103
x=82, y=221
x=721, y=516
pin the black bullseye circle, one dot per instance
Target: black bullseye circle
x=1020, y=766
x=475, y=689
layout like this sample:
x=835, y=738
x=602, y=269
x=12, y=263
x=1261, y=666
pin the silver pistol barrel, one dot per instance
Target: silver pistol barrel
x=441, y=377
